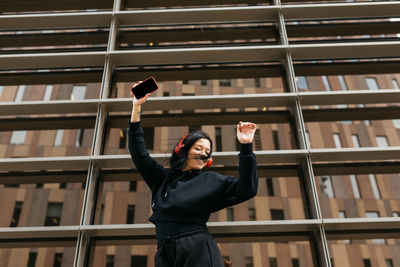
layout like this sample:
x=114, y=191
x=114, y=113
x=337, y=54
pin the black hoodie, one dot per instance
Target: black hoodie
x=190, y=197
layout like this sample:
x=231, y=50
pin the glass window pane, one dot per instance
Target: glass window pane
x=58, y=138
x=337, y=141
x=302, y=82
x=18, y=137
x=342, y=83
x=326, y=83
x=382, y=141
x=354, y=186
x=372, y=83
x=326, y=186
x=356, y=143
x=374, y=186
x=20, y=93
x=48, y=92
x=78, y=92
x=395, y=84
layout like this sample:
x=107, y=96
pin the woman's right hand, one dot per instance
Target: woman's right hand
x=140, y=101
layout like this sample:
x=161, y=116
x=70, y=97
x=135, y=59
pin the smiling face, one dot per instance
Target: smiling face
x=201, y=148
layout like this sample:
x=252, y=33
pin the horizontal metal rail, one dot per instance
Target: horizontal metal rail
x=220, y=158
x=225, y=232
x=210, y=55
x=202, y=102
x=201, y=15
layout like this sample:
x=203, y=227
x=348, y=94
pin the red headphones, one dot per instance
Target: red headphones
x=180, y=145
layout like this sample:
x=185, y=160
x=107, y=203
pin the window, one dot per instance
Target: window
x=218, y=139
x=356, y=143
x=302, y=82
x=122, y=138
x=396, y=123
x=53, y=214
x=79, y=138
x=372, y=83
x=395, y=84
x=58, y=138
x=382, y=141
x=367, y=262
x=276, y=140
x=1, y=90
x=130, y=216
x=225, y=82
x=277, y=214
x=57, y=260
x=138, y=261
x=342, y=83
x=270, y=187
x=78, y=92
x=389, y=263
x=295, y=263
x=326, y=83
x=18, y=137
x=396, y=214
x=342, y=214
x=337, y=141
x=185, y=82
x=374, y=186
x=203, y=82
x=273, y=262
x=229, y=214
x=326, y=186
x=249, y=261
x=47, y=93
x=20, y=93
x=354, y=186
x=32, y=259
x=132, y=186
x=110, y=261
x=16, y=214
x=252, y=214
x=257, y=82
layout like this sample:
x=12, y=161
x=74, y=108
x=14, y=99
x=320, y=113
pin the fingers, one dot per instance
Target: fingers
x=246, y=125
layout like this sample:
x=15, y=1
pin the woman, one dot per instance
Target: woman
x=184, y=196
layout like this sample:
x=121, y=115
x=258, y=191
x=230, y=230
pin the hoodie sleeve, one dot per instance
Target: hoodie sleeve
x=244, y=188
x=151, y=171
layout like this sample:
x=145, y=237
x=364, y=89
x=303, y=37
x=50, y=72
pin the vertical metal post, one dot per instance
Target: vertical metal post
x=320, y=251
x=83, y=249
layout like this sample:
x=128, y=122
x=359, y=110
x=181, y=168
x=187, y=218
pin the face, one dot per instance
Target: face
x=200, y=148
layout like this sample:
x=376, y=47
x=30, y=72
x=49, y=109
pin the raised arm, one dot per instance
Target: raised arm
x=244, y=188
x=151, y=171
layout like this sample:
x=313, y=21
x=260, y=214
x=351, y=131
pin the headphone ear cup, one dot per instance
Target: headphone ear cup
x=209, y=162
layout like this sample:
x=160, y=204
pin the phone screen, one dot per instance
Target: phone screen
x=147, y=86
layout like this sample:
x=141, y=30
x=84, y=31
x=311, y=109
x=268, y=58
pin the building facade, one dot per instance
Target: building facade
x=320, y=78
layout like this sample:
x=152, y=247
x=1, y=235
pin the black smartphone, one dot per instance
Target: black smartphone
x=147, y=86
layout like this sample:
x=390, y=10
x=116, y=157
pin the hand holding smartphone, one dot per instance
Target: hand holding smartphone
x=147, y=86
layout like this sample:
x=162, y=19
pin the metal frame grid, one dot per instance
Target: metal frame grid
x=107, y=65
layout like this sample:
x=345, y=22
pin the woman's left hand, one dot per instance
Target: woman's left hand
x=245, y=132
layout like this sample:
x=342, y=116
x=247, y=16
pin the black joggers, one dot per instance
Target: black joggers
x=192, y=249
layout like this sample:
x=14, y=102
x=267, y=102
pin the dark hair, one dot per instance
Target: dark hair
x=178, y=160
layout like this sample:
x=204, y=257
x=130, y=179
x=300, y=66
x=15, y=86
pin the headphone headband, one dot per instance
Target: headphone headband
x=180, y=145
